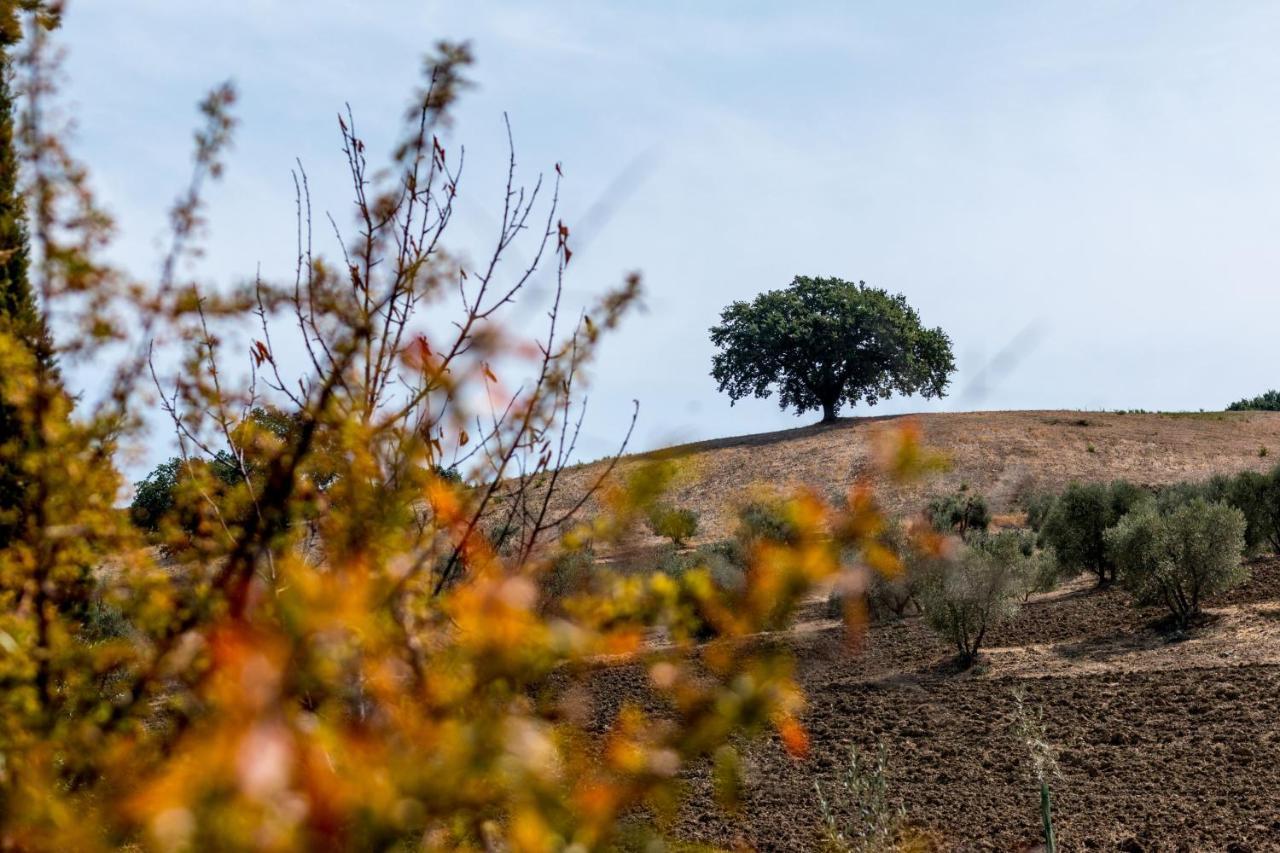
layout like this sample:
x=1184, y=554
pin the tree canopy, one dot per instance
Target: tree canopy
x=1266, y=402
x=824, y=342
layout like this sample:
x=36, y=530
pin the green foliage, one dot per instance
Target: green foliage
x=153, y=495
x=963, y=513
x=20, y=315
x=1075, y=526
x=1124, y=496
x=766, y=519
x=973, y=593
x=160, y=495
x=570, y=572
x=1172, y=496
x=449, y=475
x=1268, y=401
x=1031, y=570
x=1178, y=558
x=725, y=559
x=892, y=596
x=824, y=342
x=1037, y=505
x=674, y=523
x=1257, y=496
x=264, y=432
x=862, y=819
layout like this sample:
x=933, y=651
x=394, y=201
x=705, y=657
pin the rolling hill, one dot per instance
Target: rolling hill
x=1002, y=455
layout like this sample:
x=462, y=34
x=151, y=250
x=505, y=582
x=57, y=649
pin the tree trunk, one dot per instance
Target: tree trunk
x=828, y=411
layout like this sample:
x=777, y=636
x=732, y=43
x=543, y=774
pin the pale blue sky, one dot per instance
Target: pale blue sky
x=1105, y=175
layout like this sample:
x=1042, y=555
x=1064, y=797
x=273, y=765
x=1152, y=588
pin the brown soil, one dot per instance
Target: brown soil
x=1000, y=454
x=1163, y=744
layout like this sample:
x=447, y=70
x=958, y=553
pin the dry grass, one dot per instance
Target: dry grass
x=1000, y=454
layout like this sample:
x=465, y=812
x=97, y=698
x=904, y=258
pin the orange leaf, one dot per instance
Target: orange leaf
x=794, y=737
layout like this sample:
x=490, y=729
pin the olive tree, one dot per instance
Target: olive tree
x=1078, y=519
x=962, y=513
x=892, y=595
x=967, y=597
x=824, y=342
x=1178, y=558
x=674, y=523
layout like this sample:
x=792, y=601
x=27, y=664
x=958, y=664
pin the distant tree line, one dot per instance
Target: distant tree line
x=1265, y=402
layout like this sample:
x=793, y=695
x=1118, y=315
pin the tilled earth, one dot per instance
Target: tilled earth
x=1162, y=744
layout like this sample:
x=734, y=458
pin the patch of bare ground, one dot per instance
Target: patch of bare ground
x=1164, y=743
x=1000, y=454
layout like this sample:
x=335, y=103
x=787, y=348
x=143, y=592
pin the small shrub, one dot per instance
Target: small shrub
x=1177, y=559
x=962, y=513
x=724, y=560
x=568, y=574
x=862, y=819
x=678, y=525
x=1090, y=448
x=1262, y=452
x=970, y=595
x=768, y=520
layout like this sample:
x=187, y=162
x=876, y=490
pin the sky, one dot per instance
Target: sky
x=1084, y=195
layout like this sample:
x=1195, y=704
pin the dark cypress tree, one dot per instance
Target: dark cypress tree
x=20, y=316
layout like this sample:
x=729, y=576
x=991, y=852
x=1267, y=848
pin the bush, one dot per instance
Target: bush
x=1217, y=489
x=1257, y=496
x=1124, y=496
x=891, y=597
x=678, y=525
x=1032, y=570
x=449, y=475
x=569, y=573
x=768, y=520
x=172, y=491
x=1075, y=525
x=963, y=512
x=970, y=595
x=1177, y=559
x=1037, y=506
x=153, y=495
x=1265, y=402
x=724, y=560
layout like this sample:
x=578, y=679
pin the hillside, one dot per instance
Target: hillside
x=1000, y=454
x=1163, y=741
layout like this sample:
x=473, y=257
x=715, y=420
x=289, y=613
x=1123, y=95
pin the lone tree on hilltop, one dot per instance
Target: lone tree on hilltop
x=825, y=342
